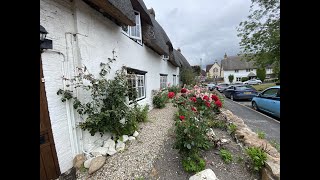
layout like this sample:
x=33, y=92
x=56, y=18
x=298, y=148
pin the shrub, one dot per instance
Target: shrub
x=193, y=163
x=107, y=110
x=232, y=128
x=187, y=76
x=257, y=157
x=243, y=79
x=159, y=99
x=141, y=113
x=175, y=89
x=226, y=155
x=231, y=77
x=261, y=134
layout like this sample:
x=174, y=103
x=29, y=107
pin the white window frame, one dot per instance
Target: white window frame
x=138, y=39
x=163, y=84
x=236, y=70
x=174, y=80
x=165, y=57
x=143, y=86
x=238, y=78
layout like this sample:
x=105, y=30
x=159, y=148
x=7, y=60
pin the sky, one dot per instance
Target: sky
x=202, y=29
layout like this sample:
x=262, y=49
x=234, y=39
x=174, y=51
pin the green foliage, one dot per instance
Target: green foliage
x=176, y=89
x=160, y=98
x=261, y=74
x=141, y=113
x=107, y=110
x=215, y=123
x=232, y=128
x=197, y=70
x=257, y=157
x=187, y=76
x=261, y=134
x=275, y=144
x=243, y=79
x=260, y=34
x=231, y=77
x=226, y=156
x=193, y=163
x=140, y=178
x=240, y=159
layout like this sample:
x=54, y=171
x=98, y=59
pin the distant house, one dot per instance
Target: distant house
x=214, y=72
x=241, y=68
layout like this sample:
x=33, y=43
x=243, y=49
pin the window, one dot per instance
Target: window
x=236, y=70
x=247, y=70
x=238, y=79
x=163, y=81
x=165, y=57
x=270, y=92
x=134, y=32
x=136, y=81
x=174, y=80
x=215, y=70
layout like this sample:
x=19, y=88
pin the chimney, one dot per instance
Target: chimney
x=179, y=50
x=151, y=11
x=225, y=56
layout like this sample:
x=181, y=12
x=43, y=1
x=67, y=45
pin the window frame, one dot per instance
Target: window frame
x=161, y=82
x=236, y=70
x=174, y=80
x=138, y=24
x=138, y=73
x=239, y=78
x=270, y=96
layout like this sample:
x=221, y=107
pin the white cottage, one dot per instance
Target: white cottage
x=85, y=33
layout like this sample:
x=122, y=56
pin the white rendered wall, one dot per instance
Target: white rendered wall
x=96, y=37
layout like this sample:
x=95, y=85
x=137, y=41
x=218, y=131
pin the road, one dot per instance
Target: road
x=255, y=120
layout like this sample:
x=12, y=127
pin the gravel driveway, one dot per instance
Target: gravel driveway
x=137, y=159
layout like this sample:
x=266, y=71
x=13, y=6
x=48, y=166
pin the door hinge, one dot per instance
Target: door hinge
x=42, y=80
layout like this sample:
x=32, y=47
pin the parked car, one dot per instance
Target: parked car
x=253, y=81
x=222, y=86
x=268, y=101
x=238, y=83
x=211, y=86
x=240, y=92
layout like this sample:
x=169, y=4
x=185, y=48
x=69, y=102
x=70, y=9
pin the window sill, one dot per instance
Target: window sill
x=141, y=44
x=131, y=102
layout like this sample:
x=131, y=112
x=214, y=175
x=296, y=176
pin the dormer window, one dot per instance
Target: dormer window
x=165, y=57
x=134, y=32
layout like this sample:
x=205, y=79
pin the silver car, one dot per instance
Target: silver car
x=222, y=86
x=253, y=81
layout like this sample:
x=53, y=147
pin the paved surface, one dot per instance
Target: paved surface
x=255, y=120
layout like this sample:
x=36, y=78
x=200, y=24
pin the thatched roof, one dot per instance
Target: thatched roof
x=235, y=62
x=203, y=72
x=179, y=57
x=251, y=74
x=155, y=37
x=139, y=5
x=121, y=11
x=208, y=67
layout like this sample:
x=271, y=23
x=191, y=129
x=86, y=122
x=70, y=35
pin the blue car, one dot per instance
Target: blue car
x=268, y=101
x=240, y=92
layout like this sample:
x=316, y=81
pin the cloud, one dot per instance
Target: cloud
x=202, y=29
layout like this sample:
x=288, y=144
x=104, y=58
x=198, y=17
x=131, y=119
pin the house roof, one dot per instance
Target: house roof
x=203, y=72
x=141, y=7
x=181, y=59
x=208, y=67
x=235, y=62
x=251, y=74
x=155, y=37
x=121, y=11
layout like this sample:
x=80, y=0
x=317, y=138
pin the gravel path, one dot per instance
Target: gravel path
x=136, y=161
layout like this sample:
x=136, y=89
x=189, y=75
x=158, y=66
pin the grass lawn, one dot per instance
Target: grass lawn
x=262, y=87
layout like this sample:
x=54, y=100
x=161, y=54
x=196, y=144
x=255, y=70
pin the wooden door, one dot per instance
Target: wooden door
x=49, y=167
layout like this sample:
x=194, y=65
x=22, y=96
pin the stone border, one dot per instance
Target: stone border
x=243, y=133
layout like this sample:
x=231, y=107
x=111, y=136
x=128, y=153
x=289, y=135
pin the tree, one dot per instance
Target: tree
x=187, y=76
x=196, y=70
x=231, y=77
x=260, y=34
x=243, y=79
x=261, y=74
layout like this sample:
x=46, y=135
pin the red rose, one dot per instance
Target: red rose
x=183, y=90
x=214, y=97
x=182, y=118
x=206, y=98
x=218, y=103
x=207, y=104
x=194, y=99
x=194, y=109
x=170, y=95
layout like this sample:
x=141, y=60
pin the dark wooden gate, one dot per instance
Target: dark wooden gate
x=49, y=167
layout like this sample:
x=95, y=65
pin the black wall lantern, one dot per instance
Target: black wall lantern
x=44, y=43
